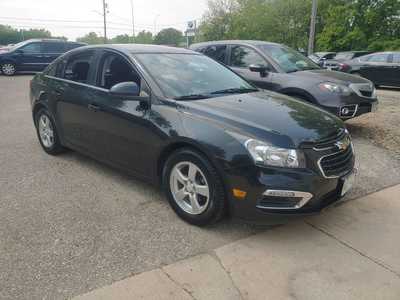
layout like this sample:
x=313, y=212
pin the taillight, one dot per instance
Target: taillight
x=343, y=67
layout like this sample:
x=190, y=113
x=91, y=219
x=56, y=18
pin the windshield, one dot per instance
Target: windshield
x=191, y=76
x=288, y=59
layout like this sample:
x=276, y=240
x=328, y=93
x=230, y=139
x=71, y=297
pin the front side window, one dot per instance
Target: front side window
x=181, y=75
x=243, y=57
x=288, y=59
x=217, y=52
x=53, y=47
x=78, y=66
x=344, y=56
x=115, y=69
x=32, y=48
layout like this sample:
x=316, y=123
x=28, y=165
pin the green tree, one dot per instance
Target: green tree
x=10, y=35
x=169, y=36
x=122, y=39
x=144, y=37
x=91, y=38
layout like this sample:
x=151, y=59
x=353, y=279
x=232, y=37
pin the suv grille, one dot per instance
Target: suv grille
x=329, y=142
x=337, y=164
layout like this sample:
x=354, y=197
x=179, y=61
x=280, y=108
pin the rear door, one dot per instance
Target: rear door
x=75, y=92
x=51, y=51
x=395, y=70
x=216, y=52
x=377, y=68
x=242, y=57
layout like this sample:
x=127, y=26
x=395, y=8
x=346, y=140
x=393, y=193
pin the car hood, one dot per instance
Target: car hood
x=276, y=118
x=322, y=75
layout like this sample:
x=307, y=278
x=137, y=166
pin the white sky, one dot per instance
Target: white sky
x=83, y=18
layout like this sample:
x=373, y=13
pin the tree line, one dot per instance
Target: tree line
x=341, y=24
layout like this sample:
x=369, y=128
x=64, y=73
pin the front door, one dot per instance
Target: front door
x=377, y=68
x=30, y=57
x=241, y=57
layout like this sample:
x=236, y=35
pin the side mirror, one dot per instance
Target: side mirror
x=129, y=90
x=263, y=70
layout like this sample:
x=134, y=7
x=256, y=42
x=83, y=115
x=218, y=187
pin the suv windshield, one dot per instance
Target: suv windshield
x=288, y=59
x=192, y=76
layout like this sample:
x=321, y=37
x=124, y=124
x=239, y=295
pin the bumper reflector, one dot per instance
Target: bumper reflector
x=239, y=193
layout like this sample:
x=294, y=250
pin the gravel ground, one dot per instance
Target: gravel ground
x=69, y=224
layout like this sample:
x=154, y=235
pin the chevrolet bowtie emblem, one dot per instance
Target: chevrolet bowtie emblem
x=343, y=144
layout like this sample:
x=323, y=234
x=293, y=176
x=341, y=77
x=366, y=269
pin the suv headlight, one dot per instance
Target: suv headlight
x=335, y=88
x=267, y=155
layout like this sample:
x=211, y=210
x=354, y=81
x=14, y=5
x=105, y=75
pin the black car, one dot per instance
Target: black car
x=33, y=55
x=381, y=68
x=177, y=118
x=281, y=69
x=336, y=63
x=320, y=57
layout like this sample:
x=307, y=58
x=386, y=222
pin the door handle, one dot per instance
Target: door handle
x=93, y=107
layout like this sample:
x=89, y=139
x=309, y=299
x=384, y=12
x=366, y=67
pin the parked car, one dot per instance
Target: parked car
x=279, y=68
x=216, y=143
x=33, y=55
x=381, y=68
x=336, y=63
x=320, y=57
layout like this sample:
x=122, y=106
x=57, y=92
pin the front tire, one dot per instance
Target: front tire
x=8, y=69
x=47, y=133
x=194, y=188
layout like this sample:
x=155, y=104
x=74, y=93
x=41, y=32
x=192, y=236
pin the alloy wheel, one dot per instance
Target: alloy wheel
x=189, y=188
x=46, y=131
x=8, y=69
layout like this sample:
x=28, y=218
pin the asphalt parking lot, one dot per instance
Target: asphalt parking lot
x=70, y=224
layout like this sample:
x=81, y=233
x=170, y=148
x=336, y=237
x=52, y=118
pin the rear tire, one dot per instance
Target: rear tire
x=8, y=69
x=194, y=188
x=47, y=133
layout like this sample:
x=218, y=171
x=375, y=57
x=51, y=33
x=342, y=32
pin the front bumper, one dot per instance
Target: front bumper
x=316, y=193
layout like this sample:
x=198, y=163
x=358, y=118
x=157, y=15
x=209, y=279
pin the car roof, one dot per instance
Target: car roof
x=53, y=40
x=139, y=48
x=238, y=42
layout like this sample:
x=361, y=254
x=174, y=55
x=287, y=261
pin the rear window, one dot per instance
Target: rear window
x=396, y=58
x=217, y=52
x=53, y=47
x=70, y=46
x=78, y=66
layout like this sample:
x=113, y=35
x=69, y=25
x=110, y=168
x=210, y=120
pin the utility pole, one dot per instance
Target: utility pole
x=133, y=23
x=312, y=27
x=105, y=20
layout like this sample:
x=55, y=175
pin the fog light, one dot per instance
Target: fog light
x=345, y=111
x=348, y=111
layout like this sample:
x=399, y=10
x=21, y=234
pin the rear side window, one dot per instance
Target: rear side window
x=78, y=66
x=70, y=46
x=53, y=47
x=383, y=57
x=243, y=57
x=217, y=52
x=396, y=58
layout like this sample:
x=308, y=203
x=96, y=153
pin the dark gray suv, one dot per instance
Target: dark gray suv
x=279, y=68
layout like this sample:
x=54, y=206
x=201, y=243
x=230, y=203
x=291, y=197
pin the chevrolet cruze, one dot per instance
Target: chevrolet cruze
x=174, y=117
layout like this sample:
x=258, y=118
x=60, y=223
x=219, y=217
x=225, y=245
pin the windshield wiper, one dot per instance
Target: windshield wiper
x=193, y=97
x=235, y=91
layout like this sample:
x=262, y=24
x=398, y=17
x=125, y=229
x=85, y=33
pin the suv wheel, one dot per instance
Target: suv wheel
x=194, y=188
x=8, y=69
x=47, y=133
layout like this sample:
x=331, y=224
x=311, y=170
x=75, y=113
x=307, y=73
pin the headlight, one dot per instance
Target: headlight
x=335, y=88
x=267, y=155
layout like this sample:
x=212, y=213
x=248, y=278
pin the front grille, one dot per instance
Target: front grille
x=337, y=164
x=329, y=141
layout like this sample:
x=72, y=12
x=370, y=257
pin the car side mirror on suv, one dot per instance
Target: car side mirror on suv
x=262, y=69
x=129, y=90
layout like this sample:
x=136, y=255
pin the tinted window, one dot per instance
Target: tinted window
x=70, y=46
x=396, y=58
x=216, y=52
x=189, y=74
x=77, y=68
x=382, y=57
x=32, y=48
x=344, y=55
x=243, y=57
x=115, y=69
x=53, y=47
